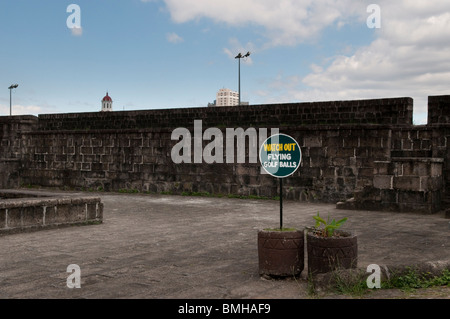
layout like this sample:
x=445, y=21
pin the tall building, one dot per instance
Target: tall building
x=226, y=97
x=107, y=103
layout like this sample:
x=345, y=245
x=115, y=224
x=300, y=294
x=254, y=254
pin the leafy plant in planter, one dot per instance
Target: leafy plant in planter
x=329, y=225
x=330, y=248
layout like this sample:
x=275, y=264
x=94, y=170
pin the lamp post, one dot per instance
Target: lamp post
x=239, y=57
x=13, y=86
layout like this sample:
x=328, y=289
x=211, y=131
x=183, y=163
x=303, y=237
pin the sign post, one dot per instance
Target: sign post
x=281, y=203
x=280, y=156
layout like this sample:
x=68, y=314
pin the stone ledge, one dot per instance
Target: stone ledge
x=29, y=211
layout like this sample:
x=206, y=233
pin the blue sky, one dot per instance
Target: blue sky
x=151, y=54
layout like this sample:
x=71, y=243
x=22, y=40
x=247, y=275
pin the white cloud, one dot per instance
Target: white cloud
x=174, y=38
x=20, y=110
x=408, y=58
x=287, y=22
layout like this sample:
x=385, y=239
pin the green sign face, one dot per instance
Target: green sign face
x=280, y=155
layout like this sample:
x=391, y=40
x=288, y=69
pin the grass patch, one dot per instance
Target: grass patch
x=93, y=222
x=128, y=191
x=201, y=194
x=414, y=279
x=311, y=287
x=251, y=197
x=30, y=186
x=355, y=285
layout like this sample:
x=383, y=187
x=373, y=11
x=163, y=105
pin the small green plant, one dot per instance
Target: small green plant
x=352, y=284
x=329, y=225
x=311, y=286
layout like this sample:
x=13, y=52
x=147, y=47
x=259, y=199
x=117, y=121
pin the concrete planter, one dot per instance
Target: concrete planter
x=326, y=254
x=281, y=253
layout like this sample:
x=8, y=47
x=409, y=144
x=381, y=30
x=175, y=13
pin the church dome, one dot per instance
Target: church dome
x=107, y=98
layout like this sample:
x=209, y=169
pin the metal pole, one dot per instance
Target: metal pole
x=281, y=203
x=239, y=81
x=12, y=86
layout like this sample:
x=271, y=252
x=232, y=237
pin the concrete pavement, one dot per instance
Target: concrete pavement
x=155, y=246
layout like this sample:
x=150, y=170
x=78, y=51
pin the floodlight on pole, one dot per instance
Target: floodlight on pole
x=239, y=57
x=13, y=86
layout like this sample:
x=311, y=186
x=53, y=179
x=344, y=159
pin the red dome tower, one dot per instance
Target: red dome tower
x=107, y=103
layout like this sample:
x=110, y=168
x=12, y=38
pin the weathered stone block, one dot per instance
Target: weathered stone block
x=407, y=182
x=374, y=142
x=407, y=144
x=14, y=217
x=85, y=166
x=68, y=213
x=380, y=153
x=32, y=216
x=411, y=197
x=383, y=181
x=351, y=142
x=318, y=161
x=2, y=218
x=436, y=169
x=362, y=152
x=416, y=168
x=340, y=161
x=382, y=168
x=389, y=196
x=429, y=183
x=315, y=141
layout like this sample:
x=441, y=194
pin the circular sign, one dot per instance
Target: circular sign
x=280, y=155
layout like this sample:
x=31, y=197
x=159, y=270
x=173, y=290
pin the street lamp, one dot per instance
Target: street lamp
x=13, y=86
x=240, y=56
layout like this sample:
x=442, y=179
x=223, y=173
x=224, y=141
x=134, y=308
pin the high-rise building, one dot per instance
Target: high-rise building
x=227, y=97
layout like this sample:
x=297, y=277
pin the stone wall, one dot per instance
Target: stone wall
x=410, y=179
x=396, y=111
x=349, y=148
x=12, y=141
